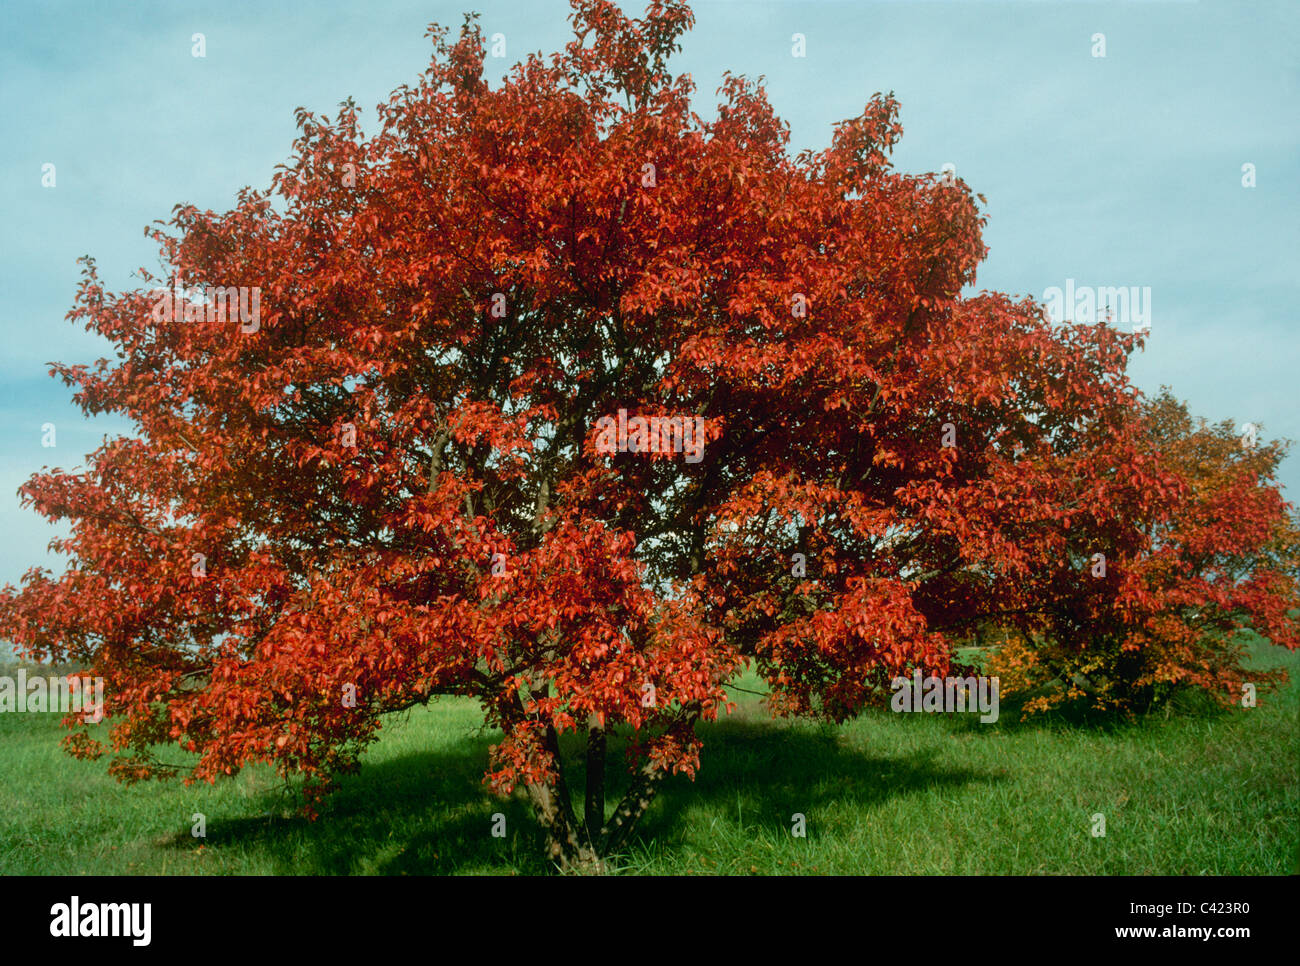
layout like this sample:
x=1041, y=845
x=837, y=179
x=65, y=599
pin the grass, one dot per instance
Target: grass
x=911, y=794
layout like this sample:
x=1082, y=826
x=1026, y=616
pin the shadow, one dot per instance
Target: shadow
x=765, y=772
x=1072, y=715
x=431, y=814
x=422, y=814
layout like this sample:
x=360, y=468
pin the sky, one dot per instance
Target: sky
x=1122, y=170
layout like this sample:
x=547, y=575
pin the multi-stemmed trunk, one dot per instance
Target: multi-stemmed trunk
x=584, y=846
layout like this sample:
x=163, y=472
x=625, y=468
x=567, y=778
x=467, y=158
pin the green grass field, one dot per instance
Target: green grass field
x=885, y=794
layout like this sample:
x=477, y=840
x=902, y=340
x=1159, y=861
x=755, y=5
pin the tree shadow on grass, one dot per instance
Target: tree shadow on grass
x=420, y=814
x=764, y=773
x=430, y=813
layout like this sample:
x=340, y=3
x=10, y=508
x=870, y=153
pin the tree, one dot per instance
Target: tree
x=1219, y=552
x=556, y=395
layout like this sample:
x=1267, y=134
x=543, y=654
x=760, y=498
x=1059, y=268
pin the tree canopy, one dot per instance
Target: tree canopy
x=391, y=474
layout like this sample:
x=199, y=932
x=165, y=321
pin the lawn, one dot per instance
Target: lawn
x=1182, y=794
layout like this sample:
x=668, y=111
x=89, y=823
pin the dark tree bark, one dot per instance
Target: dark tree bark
x=566, y=843
x=584, y=846
x=645, y=784
x=594, y=807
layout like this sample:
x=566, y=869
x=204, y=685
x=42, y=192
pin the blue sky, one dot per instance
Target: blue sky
x=1123, y=170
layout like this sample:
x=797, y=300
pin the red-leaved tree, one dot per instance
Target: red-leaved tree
x=1218, y=552
x=556, y=395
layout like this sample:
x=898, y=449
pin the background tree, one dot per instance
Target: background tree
x=1219, y=552
x=387, y=486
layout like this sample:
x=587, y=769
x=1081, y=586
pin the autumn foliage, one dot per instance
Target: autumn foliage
x=388, y=488
x=1219, y=552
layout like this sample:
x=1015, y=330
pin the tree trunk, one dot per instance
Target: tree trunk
x=566, y=843
x=594, y=808
x=583, y=847
x=629, y=811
